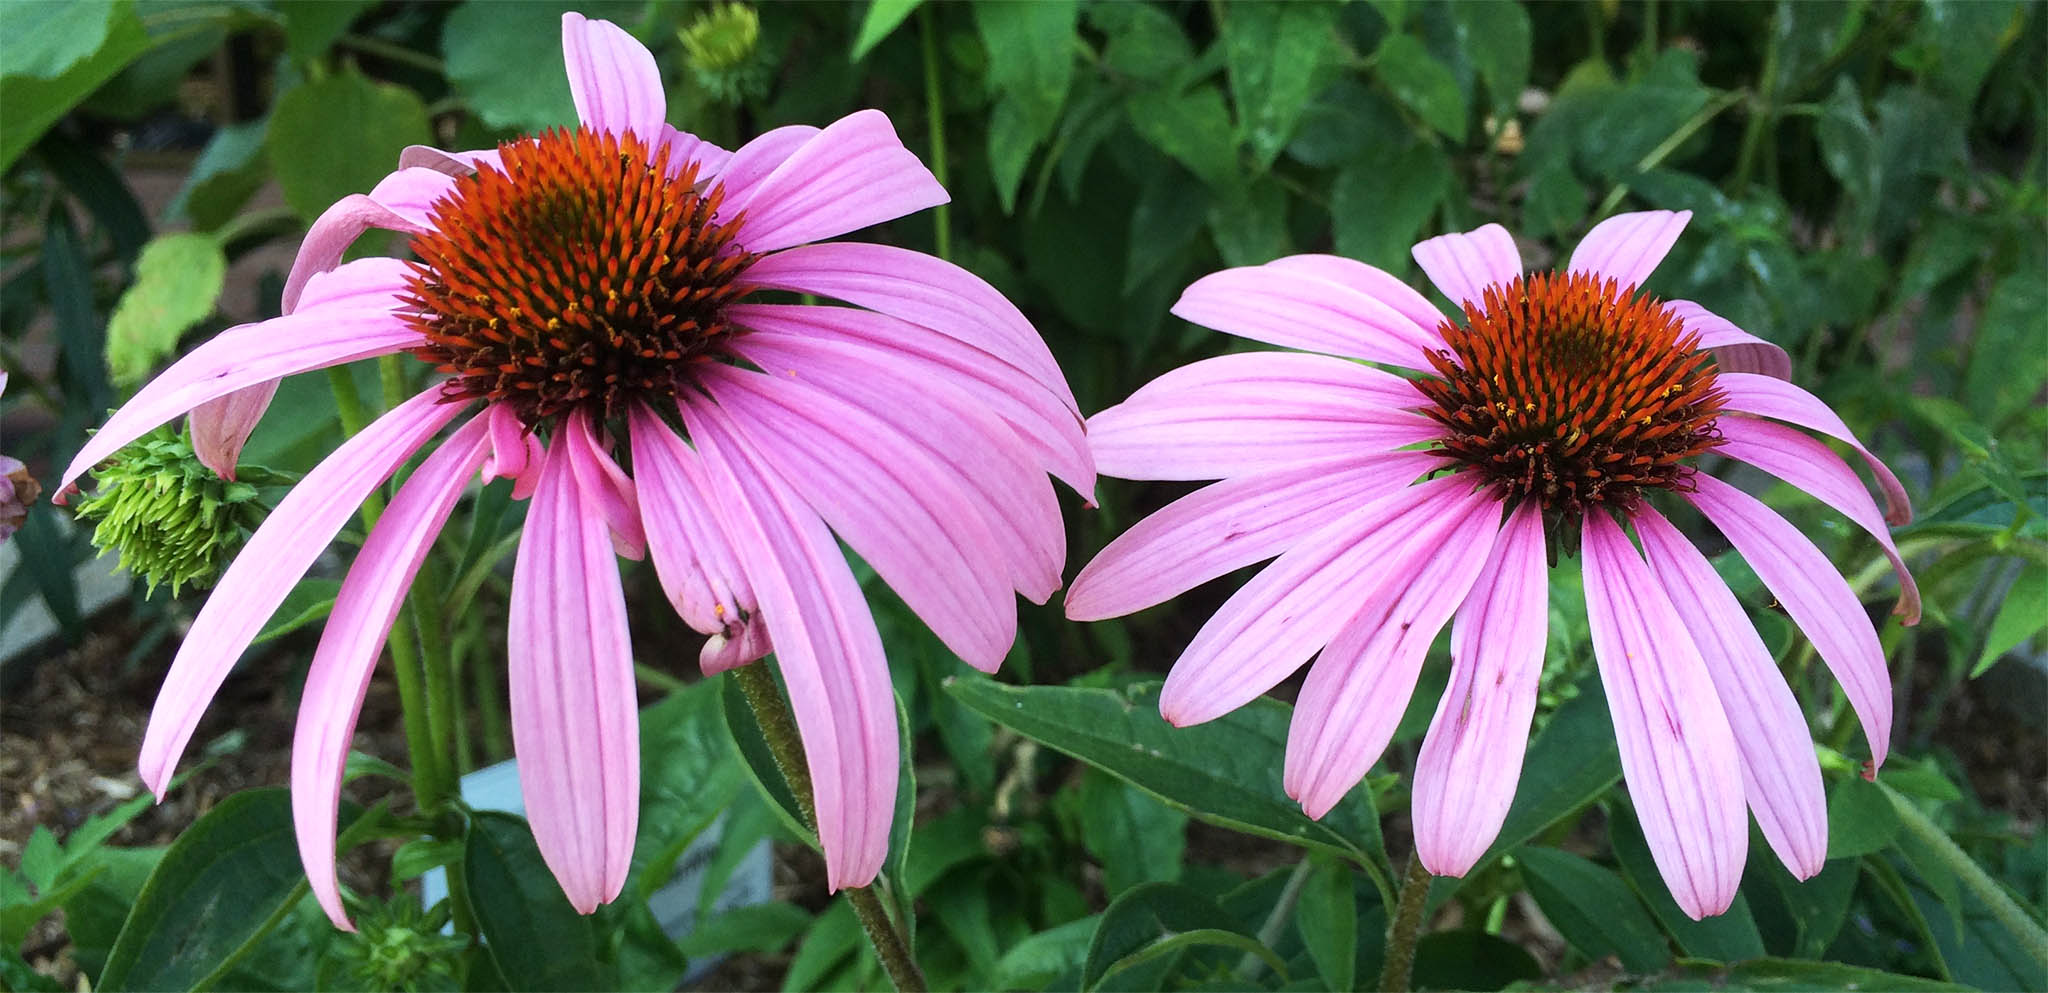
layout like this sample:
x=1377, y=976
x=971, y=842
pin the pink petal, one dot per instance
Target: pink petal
x=756, y=159
x=575, y=726
x=1627, y=247
x=612, y=78
x=222, y=425
x=929, y=292
x=402, y=201
x=1040, y=419
x=1780, y=775
x=1284, y=305
x=1256, y=411
x=607, y=490
x=825, y=642
x=1463, y=265
x=457, y=164
x=245, y=356
x=1370, y=280
x=1734, y=349
x=698, y=568
x=277, y=555
x=897, y=508
x=1471, y=760
x=853, y=174
x=976, y=448
x=1296, y=605
x=1222, y=528
x=1677, y=752
x=516, y=452
x=1356, y=692
x=685, y=148
x=352, y=640
x=1763, y=396
x=1813, y=467
x=1814, y=594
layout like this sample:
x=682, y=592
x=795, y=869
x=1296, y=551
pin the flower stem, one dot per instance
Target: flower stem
x=778, y=726
x=935, y=113
x=1405, y=929
x=2004, y=909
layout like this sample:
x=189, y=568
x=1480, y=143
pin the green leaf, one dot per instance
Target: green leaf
x=1798, y=974
x=535, y=938
x=1171, y=946
x=1274, y=52
x=241, y=855
x=1725, y=937
x=506, y=59
x=416, y=857
x=1382, y=201
x=2023, y=615
x=2008, y=363
x=1192, y=128
x=1593, y=908
x=1818, y=906
x=1328, y=921
x=229, y=171
x=311, y=600
x=1423, y=84
x=1495, y=35
x=1223, y=772
x=340, y=135
x=309, y=28
x=1860, y=819
x=833, y=936
x=1144, y=42
x=1043, y=957
x=1030, y=66
x=1954, y=45
x=1144, y=916
x=1167, y=216
x=29, y=105
x=1136, y=837
x=1249, y=224
x=177, y=280
x=44, y=40
x=763, y=928
x=1471, y=960
x=883, y=16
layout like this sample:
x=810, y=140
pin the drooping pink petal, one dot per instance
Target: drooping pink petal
x=353, y=639
x=1232, y=524
x=921, y=289
x=607, y=491
x=575, y=726
x=853, y=174
x=994, y=466
x=1296, y=605
x=1677, y=752
x=221, y=426
x=516, y=453
x=897, y=508
x=1374, y=282
x=270, y=565
x=612, y=78
x=1780, y=774
x=402, y=201
x=1040, y=419
x=1627, y=247
x=1813, y=467
x=1462, y=266
x=245, y=356
x=1356, y=692
x=1814, y=594
x=825, y=643
x=457, y=164
x=1763, y=396
x=694, y=559
x=1471, y=760
x=1284, y=305
x=1734, y=349
x=1256, y=411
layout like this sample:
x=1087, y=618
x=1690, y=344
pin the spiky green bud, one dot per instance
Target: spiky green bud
x=172, y=520
x=398, y=947
x=725, y=54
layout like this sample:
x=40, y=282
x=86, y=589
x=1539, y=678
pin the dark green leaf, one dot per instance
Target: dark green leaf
x=882, y=17
x=44, y=40
x=1494, y=34
x=1142, y=917
x=310, y=27
x=1796, y=974
x=1422, y=84
x=30, y=105
x=1167, y=216
x=177, y=280
x=1726, y=937
x=1249, y=224
x=506, y=59
x=1030, y=66
x=941, y=844
x=340, y=135
x=1818, y=906
x=1192, y=128
x=2008, y=363
x=833, y=936
x=1275, y=53
x=1328, y=921
x=1471, y=960
x=1144, y=42
x=1134, y=836
x=1045, y=956
x=311, y=600
x=752, y=749
x=536, y=939
x=763, y=928
x=1593, y=908
x=1860, y=819
x=1381, y=203
x=229, y=171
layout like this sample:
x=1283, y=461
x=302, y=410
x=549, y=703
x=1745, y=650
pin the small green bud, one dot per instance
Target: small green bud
x=399, y=947
x=725, y=54
x=172, y=520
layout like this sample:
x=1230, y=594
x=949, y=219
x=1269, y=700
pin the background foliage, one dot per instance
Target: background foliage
x=1868, y=185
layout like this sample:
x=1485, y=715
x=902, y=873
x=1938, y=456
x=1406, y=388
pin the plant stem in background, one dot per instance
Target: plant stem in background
x=2004, y=909
x=1763, y=112
x=1405, y=929
x=935, y=114
x=778, y=726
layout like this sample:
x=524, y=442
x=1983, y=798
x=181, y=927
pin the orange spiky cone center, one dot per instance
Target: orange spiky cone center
x=1574, y=392
x=586, y=272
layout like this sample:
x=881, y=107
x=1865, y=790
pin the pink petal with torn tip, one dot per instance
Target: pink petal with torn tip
x=1627, y=247
x=1463, y=265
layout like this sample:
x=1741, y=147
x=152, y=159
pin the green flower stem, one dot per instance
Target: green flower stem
x=778, y=726
x=935, y=113
x=1251, y=964
x=1405, y=929
x=2004, y=909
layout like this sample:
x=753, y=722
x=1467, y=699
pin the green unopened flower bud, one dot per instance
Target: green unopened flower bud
x=172, y=520
x=398, y=947
x=725, y=54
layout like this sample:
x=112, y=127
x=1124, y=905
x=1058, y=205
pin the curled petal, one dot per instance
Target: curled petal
x=1734, y=349
x=612, y=78
x=694, y=559
x=1294, y=306
x=457, y=164
x=1763, y=396
x=516, y=454
x=221, y=426
x=684, y=148
x=1463, y=265
x=853, y=174
x=402, y=201
x=1627, y=247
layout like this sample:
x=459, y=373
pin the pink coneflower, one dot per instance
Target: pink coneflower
x=1541, y=425
x=17, y=488
x=584, y=294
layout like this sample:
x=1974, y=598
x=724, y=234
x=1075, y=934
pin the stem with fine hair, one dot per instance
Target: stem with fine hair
x=935, y=113
x=1405, y=929
x=778, y=726
x=2004, y=909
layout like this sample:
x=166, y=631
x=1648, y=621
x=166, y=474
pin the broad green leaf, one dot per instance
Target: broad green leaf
x=230, y=169
x=1818, y=906
x=1045, y=956
x=177, y=280
x=882, y=17
x=505, y=59
x=93, y=916
x=1593, y=908
x=2008, y=361
x=961, y=907
x=763, y=928
x=1170, y=947
x=1142, y=917
x=241, y=855
x=1495, y=35
x=1225, y=771
x=311, y=600
x=1192, y=128
x=1167, y=216
x=1799, y=974
x=1249, y=224
x=687, y=778
x=1955, y=43
x=1347, y=119
x=1275, y=53
x=1144, y=42
x=340, y=135
x=45, y=38
x=1381, y=203
x=1725, y=937
x=833, y=936
x=535, y=938
x=1136, y=837
x=1469, y=959
x=1328, y=921
x=309, y=28
x=2023, y=615
x=30, y=105
x=1030, y=67
x=1423, y=84
x=1860, y=819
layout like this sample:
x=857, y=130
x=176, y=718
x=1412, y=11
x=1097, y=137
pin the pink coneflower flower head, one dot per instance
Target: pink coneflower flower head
x=586, y=298
x=17, y=488
x=1547, y=421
